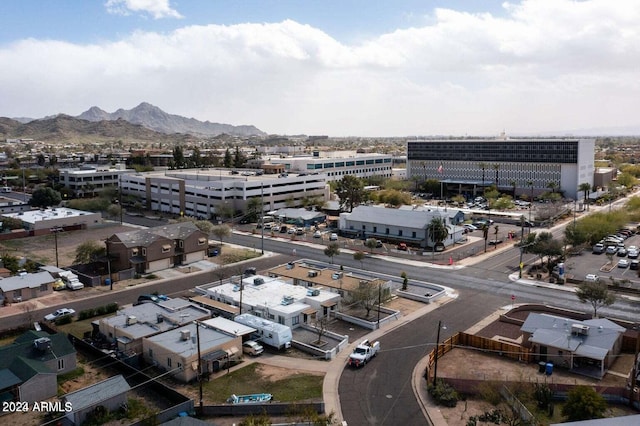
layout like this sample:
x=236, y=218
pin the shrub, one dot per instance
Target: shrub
x=444, y=394
x=100, y=310
x=111, y=308
x=87, y=313
x=66, y=319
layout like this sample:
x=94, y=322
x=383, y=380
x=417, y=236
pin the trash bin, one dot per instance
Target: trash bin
x=541, y=366
x=549, y=369
x=107, y=281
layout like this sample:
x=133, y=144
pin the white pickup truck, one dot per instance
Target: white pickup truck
x=363, y=353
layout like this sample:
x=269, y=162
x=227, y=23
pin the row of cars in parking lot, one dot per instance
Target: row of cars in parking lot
x=614, y=245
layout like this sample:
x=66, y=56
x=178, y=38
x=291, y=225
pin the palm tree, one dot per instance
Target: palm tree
x=552, y=186
x=585, y=187
x=483, y=166
x=513, y=185
x=438, y=231
x=496, y=167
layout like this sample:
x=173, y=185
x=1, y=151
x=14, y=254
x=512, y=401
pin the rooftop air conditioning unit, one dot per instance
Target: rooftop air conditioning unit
x=185, y=334
x=258, y=281
x=42, y=343
x=131, y=320
x=313, y=292
x=580, y=329
x=287, y=300
x=313, y=273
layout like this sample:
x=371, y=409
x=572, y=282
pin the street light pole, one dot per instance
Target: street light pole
x=379, y=301
x=55, y=231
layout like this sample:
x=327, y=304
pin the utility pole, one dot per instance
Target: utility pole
x=199, y=362
x=261, y=216
x=55, y=231
x=435, y=366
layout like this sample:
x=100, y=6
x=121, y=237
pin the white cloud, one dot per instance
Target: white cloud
x=546, y=65
x=158, y=9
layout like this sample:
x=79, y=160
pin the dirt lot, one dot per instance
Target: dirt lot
x=42, y=249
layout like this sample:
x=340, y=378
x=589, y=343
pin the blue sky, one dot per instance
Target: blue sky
x=342, y=68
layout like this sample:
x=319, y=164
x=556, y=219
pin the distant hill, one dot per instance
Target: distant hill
x=154, y=118
x=64, y=128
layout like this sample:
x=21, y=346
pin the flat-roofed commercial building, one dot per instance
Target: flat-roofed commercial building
x=88, y=181
x=208, y=192
x=338, y=164
x=530, y=166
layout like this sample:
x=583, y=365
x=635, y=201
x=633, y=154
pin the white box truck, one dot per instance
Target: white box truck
x=71, y=280
x=268, y=332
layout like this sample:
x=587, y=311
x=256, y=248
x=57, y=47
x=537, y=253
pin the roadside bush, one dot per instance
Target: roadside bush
x=444, y=394
x=100, y=310
x=85, y=314
x=111, y=308
x=66, y=319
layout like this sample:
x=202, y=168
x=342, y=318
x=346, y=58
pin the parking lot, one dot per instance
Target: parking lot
x=604, y=265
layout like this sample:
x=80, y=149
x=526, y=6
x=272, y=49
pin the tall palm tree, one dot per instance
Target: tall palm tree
x=438, y=231
x=513, y=184
x=483, y=166
x=585, y=187
x=552, y=186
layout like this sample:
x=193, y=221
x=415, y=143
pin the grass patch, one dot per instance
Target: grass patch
x=233, y=255
x=73, y=374
x=247, y=380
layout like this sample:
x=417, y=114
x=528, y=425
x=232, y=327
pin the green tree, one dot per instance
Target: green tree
x=584, y=403
x=204, y=225
x=89, y=251
x=438, y=231
x=371, y=244
x=585, y=188
x=350, y=191
x=431, y=186
x=41, y=160
x=596, y=294
x=45, y=197
x=228, y=159
x=627, y=180
x=195, y=160
x=405, y=281
x=239, y=159
x=366, y=295
x=545, y=245
x=11, y=263
x=178, y=157
x=359, y=256
x=254, y=207
x=221, y=231
x=332, y=250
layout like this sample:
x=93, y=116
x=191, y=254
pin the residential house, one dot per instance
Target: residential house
x=110, y=394
x=177, y=350
x=584, y=347
x=276, y=300
x=30, y=365
x=300, y=217
x=25, y=286
x=154, y=249
x=130, y=325
x=316, y=275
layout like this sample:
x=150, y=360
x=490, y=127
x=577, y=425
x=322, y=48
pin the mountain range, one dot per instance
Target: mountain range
x=145, y=122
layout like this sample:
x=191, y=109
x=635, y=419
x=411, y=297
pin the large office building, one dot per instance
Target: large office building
x=337, y=164
x=524, y=166
x=208, y=192
x=88, y=181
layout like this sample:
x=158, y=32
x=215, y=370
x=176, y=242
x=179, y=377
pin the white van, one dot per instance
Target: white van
x=6, y=189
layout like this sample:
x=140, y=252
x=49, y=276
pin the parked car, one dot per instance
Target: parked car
x=59, y=314
x=252, y=348
x=333, y=237
x=300, y=231
x=623, y=263
x=403, y=247
x=378, y=244
x=284, y=229
x=317, y=234
x=592, y=278
x=59, y=285
x=292, y=230
x=611, y=250
x=634, y=264
x=494, y=242
x=622, y=252
x=598, y=248
x=632, y=253
x=470, y=227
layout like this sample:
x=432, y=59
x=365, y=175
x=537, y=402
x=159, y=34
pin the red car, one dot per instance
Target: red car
x=403, y=247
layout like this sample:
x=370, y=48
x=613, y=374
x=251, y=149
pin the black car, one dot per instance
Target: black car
x=283, y=229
